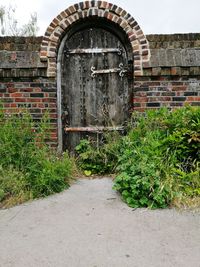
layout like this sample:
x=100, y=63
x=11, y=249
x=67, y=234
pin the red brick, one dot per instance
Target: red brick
x=179, y=88
x=54, y=135
x=193, y=98
x=13, y=105
x=17, y=95
x=36, y=89
x=34, y=100
x=140, y=99
x=28, y=90
x=12, y=90
x=40, y=105
x=53, y=116
x=165, y=98
x=20, y=100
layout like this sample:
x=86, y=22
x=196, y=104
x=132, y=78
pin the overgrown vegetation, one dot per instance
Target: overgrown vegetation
x=157, y=162
x=28, y=167
x=101, y=157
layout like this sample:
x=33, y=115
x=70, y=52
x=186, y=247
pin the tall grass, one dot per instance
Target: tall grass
x=29, y=168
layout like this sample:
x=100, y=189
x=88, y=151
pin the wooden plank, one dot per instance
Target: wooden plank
x=93, y=129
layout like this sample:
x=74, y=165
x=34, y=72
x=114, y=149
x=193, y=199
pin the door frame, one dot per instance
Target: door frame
x=82, y=24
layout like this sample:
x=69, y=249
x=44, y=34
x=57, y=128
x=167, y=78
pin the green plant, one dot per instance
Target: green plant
x=49, y=173
x=158, y=162
x=29, y=168
x=95, y=158
x=140, y=170
x=13, y=187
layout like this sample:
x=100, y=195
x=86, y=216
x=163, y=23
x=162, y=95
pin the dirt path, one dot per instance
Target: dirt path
x=89, y=226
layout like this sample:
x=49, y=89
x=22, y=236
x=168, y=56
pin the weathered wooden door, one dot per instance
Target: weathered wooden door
x=95, y=86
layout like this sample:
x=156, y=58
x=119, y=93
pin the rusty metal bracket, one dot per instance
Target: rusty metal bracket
x=97, y=129
x=121, y=70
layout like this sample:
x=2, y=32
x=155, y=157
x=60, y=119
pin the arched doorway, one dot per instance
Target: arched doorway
x=114, y=51
x=96, y=80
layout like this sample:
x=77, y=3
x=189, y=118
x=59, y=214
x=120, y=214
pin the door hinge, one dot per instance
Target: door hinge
x=119, y=51
x=121, y=70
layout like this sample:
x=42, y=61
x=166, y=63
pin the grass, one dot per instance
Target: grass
x=29, y=168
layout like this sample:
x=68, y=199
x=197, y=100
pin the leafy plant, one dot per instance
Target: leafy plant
x=95, y=158
x=158, y=162
x=29, y=168
x=140, y=179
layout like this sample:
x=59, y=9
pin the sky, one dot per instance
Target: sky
x=153, y=16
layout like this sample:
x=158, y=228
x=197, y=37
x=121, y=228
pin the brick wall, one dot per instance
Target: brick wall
x=23, y=81
x=171, y=78
x=166, y=91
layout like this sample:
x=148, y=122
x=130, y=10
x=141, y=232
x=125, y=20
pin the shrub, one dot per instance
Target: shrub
x=49, y=173
x=157, y=162
x=159, y=159
x=140, y=179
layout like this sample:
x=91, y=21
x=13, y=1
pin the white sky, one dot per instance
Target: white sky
x=153, y=16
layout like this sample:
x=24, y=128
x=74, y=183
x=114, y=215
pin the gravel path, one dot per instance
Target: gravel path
x=89, y=226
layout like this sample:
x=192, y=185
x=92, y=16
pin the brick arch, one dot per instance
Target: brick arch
x=58, y=27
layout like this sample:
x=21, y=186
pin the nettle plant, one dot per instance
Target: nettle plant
x=159, y=162
x=156, y=162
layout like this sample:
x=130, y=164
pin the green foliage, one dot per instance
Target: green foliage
x=140, y=180
x=99, y=158
x=187, y=182
x=28, y=167
x=159, y=158
x=13, y=186
x=48, y=173
x=157, y=162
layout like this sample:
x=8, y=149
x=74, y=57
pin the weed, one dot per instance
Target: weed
x=101, y=158
x=29, y=168
x=159, y=160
